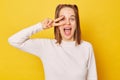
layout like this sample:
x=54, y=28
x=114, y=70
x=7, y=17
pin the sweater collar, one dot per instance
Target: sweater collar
x=67, y=43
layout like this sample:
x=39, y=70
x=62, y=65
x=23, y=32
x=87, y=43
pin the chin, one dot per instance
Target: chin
x=68, y=38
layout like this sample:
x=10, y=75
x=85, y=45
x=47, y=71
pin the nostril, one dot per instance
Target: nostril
x=67, y=22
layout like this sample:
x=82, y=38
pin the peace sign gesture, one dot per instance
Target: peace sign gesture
x=48, y=23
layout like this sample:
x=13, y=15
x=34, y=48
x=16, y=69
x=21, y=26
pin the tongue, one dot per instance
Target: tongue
x=67, y=32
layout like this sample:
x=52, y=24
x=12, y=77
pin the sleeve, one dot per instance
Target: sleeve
x=92, y=72
x=22, y=39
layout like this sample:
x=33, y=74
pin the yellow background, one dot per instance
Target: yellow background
x=100, y=25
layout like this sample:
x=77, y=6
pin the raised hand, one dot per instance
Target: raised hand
x=48, y=23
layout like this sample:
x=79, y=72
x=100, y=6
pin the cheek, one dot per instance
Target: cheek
x=73, y=31
x=73, y=23
x=74, y=26
x=61, y=29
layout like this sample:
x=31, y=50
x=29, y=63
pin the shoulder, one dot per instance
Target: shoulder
x=87, y=47
x=86, y=44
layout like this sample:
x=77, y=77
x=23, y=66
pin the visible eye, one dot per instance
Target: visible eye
x=72, y=19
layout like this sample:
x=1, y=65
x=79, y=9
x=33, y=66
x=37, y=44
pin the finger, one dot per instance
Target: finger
x=58, y=19
x=50, y=22
x=59, y=24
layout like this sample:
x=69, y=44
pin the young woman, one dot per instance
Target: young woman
x=66, y=57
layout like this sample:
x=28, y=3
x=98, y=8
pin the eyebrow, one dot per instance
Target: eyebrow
x=72, y=16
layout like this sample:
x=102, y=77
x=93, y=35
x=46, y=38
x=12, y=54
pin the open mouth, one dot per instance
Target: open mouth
x=67, y=31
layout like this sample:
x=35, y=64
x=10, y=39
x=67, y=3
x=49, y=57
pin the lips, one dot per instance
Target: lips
x=67, y=31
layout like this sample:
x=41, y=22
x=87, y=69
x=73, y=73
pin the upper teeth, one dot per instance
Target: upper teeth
x=67, y=28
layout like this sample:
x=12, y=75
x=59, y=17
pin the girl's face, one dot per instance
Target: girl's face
x=68, y=28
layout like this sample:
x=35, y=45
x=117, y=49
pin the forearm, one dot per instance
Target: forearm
x=19, y=38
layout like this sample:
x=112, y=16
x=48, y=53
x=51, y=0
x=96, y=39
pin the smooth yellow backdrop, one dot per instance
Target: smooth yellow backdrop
x=100, y=25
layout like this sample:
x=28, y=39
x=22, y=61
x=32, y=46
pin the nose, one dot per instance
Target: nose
x=68, y=22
